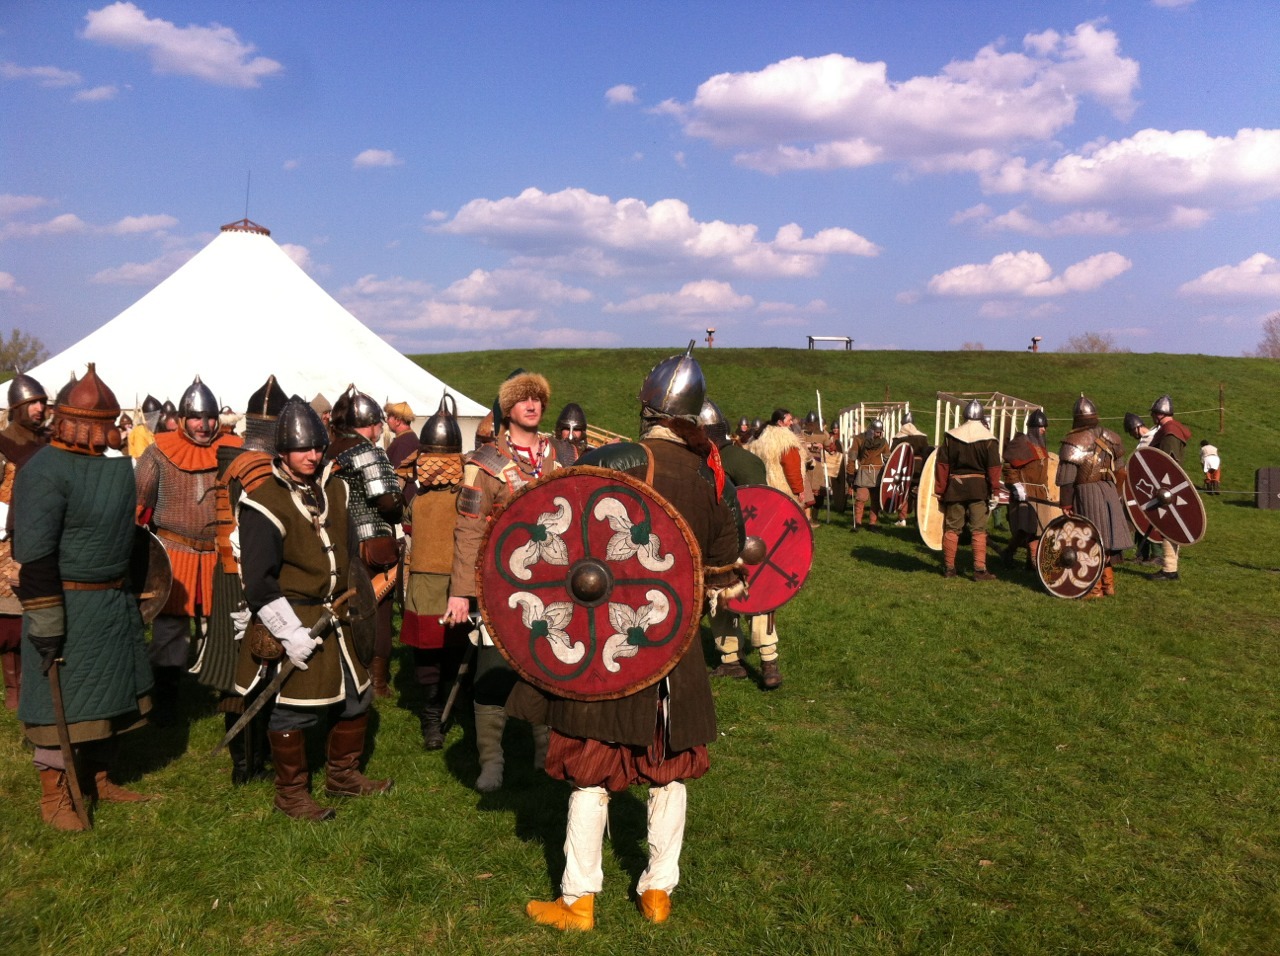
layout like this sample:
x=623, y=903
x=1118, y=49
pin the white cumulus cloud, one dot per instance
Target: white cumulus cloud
x=622, y=93
x=144, y=273
x=576, y=226
x=48, y=76
x=9, y=284
x=1258, y=276
x=374, y=158
x=135, y=225
x=1027, y=274
x=12, y=205
x=706, y=297
x=213, y=53
x=97, y=94
x=64, y=225
x=835, y=111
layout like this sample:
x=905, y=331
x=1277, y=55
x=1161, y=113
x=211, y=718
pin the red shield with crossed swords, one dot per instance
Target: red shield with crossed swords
x=779, y=522
x=590, y=584
x=1166, y=496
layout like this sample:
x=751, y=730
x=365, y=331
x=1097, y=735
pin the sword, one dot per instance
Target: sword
x=64, y=744
x=287, y=668
x=463, y=669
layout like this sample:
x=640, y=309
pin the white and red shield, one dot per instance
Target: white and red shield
x=895, y=480
x=1166, y=496
x=1137, y=517
x=1071, y=557
x=779, y=523
x=590, y=584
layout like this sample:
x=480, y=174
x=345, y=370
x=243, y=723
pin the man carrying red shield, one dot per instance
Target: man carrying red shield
x=656, y=736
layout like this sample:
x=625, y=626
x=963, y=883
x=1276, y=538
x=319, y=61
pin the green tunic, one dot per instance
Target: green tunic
x=79, y=510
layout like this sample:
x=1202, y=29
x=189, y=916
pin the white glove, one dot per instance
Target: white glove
x=240, y=621
x=283, y=623
x=1019, y=491
x=993, y=503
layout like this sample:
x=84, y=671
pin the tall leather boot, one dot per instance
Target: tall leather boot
x=56, y=808
x=980, y=572
x=1033, y=554
x=12, y=678
x=429, y=718
x=950, y=548
x=293, y=783
x=491, y=720
x=248, y=750
x=380, y=672
x=342, y=771
x=1109, y=581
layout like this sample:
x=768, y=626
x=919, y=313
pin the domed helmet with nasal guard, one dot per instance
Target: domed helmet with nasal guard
x=675, y=388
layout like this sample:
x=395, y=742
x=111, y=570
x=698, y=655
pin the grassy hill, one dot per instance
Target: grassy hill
x=949, y=767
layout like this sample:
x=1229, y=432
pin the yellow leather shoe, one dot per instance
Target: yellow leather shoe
x=655, y=905
x=580, y=914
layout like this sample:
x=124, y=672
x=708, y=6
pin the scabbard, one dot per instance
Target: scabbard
x=64, y=744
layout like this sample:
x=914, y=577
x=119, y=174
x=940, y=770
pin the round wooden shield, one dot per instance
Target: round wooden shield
x=150, y=573
x=895, y=480
x=1137, y=517
x=779, y=522
x=1071, y=557
x=928, y=507
x=1166, y=496
x=590, y=584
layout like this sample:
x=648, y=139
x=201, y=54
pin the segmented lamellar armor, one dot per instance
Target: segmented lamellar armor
x=1096, y=452
x=369, y=475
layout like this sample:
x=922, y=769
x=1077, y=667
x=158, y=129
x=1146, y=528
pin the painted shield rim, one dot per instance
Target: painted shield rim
x=1175, y=531
x=681, y=644
x=1050, y=529
x=928, y=507
x=744, y=607
x=890, y=502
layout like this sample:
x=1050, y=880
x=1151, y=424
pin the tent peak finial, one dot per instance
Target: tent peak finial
x=245, y=225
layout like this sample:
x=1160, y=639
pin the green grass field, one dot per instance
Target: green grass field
x=949, y=768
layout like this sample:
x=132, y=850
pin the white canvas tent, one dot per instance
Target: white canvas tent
x=238, y=311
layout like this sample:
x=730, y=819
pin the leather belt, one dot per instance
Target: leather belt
x=195, y=544
x=93, y=585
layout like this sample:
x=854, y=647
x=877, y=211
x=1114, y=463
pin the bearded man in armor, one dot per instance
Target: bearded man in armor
x=432, y=480
x=1171, y=437
x=967, y=477
x=571, y=432
x=1089, y=460
x=745, y=432
x=818, y=448
x=176, y=478
x=491, y=475
x=1026, y=474
x=74, y=535
x=867, y=457
x=296, y=548
x=658, y=736
x=376, y=504
x=742, y=468
x=240, y=470
x=784, y=462
x=25, y=434
x=909, y=434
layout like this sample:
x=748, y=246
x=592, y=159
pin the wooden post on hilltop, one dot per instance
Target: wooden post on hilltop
x=1222, y=408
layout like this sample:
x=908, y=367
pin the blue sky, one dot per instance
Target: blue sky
x=503, y=175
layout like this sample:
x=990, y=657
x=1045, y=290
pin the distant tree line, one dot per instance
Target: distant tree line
x=19, y=352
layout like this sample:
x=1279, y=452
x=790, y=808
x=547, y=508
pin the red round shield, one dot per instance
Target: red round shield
x=1166, y=496
x=1071, y=557
x=895, y=480
x=590, y=584
x=779, y=522
x=1137, y=517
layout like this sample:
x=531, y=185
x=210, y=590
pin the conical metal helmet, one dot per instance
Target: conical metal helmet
x=198, y=401
x=572, y=417
x=713, y=421
x=877, y=425
x=441, y=434
x=1038, y=419
x=908, y=418
x=24, y=389
x=364, y=411
x=300, y=428
x=1162, y=406
x=267, y=401
x=973, y=411
x=1084, y=412
x=151, y=404
x=676, y=387
x=1132, y=423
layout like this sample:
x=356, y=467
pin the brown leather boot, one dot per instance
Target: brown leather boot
x=12, y=679
x=342, y=772
x=770, y=676
x=380, y=672
x=105, y=791
x=56, y=808
x=293, y=783
x=1109, y=581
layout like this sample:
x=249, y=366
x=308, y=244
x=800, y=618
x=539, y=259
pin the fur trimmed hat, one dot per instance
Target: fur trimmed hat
x=519, y=387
